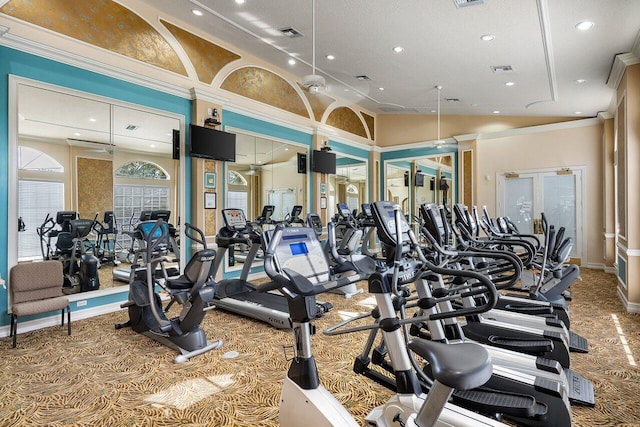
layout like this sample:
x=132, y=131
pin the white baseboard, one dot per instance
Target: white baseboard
x=54, y=319
x=611, y=270
x=595, y=266
x=630, y=307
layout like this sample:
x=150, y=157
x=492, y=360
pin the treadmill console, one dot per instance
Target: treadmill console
x=300, y=250
x=384, y=216
x=343, y=210
x=234, y=219
x=366, y=210
x=314, y=221
x=296, y=211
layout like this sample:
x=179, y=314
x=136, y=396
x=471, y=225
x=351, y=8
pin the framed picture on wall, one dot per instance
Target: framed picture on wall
x=209, y=180
x=323, y=203
x=209, y=200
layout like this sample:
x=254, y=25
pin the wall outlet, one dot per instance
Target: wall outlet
x=81, y=303
x=210, y=111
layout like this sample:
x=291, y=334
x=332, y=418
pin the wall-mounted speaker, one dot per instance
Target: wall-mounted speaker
x=302, y=163
x=176, y=145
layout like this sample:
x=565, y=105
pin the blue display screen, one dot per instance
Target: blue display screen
x=298, y=248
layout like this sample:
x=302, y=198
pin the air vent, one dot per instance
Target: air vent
x=290, y=32
x=467, y=3
x=132, y=127
x=398, y=110
x=362, y=77
x=452, y=99
x=501, y=68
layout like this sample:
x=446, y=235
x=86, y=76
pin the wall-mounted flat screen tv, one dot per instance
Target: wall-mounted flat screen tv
x=323, y=162
x=212, y=144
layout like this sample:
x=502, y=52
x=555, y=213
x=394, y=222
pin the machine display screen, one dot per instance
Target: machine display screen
x=299, y=248
x=344, y=209
x=235, y=218
x=367, y=209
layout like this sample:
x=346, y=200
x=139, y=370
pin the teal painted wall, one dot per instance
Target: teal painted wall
x=21, y=64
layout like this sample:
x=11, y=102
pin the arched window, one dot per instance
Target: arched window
x=237, y=198
x=142, y=170
x=30, y=159
x=234, y=178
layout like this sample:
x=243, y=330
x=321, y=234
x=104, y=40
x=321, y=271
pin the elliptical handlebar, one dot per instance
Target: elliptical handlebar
x=195, y=234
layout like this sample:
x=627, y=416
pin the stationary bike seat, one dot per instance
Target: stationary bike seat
x=459, y=366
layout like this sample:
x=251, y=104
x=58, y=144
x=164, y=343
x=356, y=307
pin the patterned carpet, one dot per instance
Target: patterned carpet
x=103, y=377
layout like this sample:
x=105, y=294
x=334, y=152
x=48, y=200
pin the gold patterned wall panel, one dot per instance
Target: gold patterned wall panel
x=467, y=177
x=103, y=23
x=370, y=121
x=264, y=86
x=318, y=101
x=95, y=186
x=210, y=228
x=346, y=119
x=207, y=58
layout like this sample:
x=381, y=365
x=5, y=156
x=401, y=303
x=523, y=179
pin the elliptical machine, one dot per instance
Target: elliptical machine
x=296, y=262
x=194, y=290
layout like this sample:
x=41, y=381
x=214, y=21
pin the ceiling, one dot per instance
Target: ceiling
x=442, y=45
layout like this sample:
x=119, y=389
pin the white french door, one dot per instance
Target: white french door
x=524, y=196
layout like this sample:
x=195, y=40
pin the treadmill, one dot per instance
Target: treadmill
x=238, y=295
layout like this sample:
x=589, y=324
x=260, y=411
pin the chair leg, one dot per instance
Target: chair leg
x=68, y=319
x=62, y=317
x=14, y=326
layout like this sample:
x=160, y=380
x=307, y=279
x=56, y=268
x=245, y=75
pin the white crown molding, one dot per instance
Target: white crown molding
x=69, y=58
x=203, y=95
x=620, y=64
x=420, y=144
x=541, y=128
x=604, y=115
x=266, y=117
x=467, y=137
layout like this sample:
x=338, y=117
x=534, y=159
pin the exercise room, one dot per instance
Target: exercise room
x=323, y=213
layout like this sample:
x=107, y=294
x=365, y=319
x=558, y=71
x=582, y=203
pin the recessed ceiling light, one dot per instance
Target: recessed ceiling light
x=578, y=112
x=286, y=149
x=197, y=12
x=152, y=146
x=330, y=57
x=380, y=88
x=398, y=49
x=584, y=25
x=580, y=81
x=77, y=133
x=434, y=111
x=487, y=37
x=291, y=61
x=92, y=120
x=240, y=1
x=509, y=84
x=495, y=112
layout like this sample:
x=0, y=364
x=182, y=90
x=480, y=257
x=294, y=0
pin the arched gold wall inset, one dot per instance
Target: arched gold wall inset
x=370, y=121
x=102, y=23
x=264, y=86
x=318, y=102
x=346, y=119
x=207, y=58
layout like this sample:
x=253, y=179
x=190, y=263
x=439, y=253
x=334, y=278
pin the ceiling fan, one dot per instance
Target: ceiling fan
x=313, y=82
x=441, y=143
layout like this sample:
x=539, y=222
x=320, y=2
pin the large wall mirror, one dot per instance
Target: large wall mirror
x=415, y=181
x=96, y=159
x=265, y=173
x=348, y=185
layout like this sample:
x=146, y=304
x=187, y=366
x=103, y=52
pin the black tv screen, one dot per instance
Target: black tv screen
x=323, y=162
x=212, y=144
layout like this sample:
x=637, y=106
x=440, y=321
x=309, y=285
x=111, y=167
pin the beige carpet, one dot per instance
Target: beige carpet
x=103, y=377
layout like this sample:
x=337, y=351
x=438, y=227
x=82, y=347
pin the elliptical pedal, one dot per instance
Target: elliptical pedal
x=578, y=343
x=489, y=401
x=528, y=345
x=580, y=389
